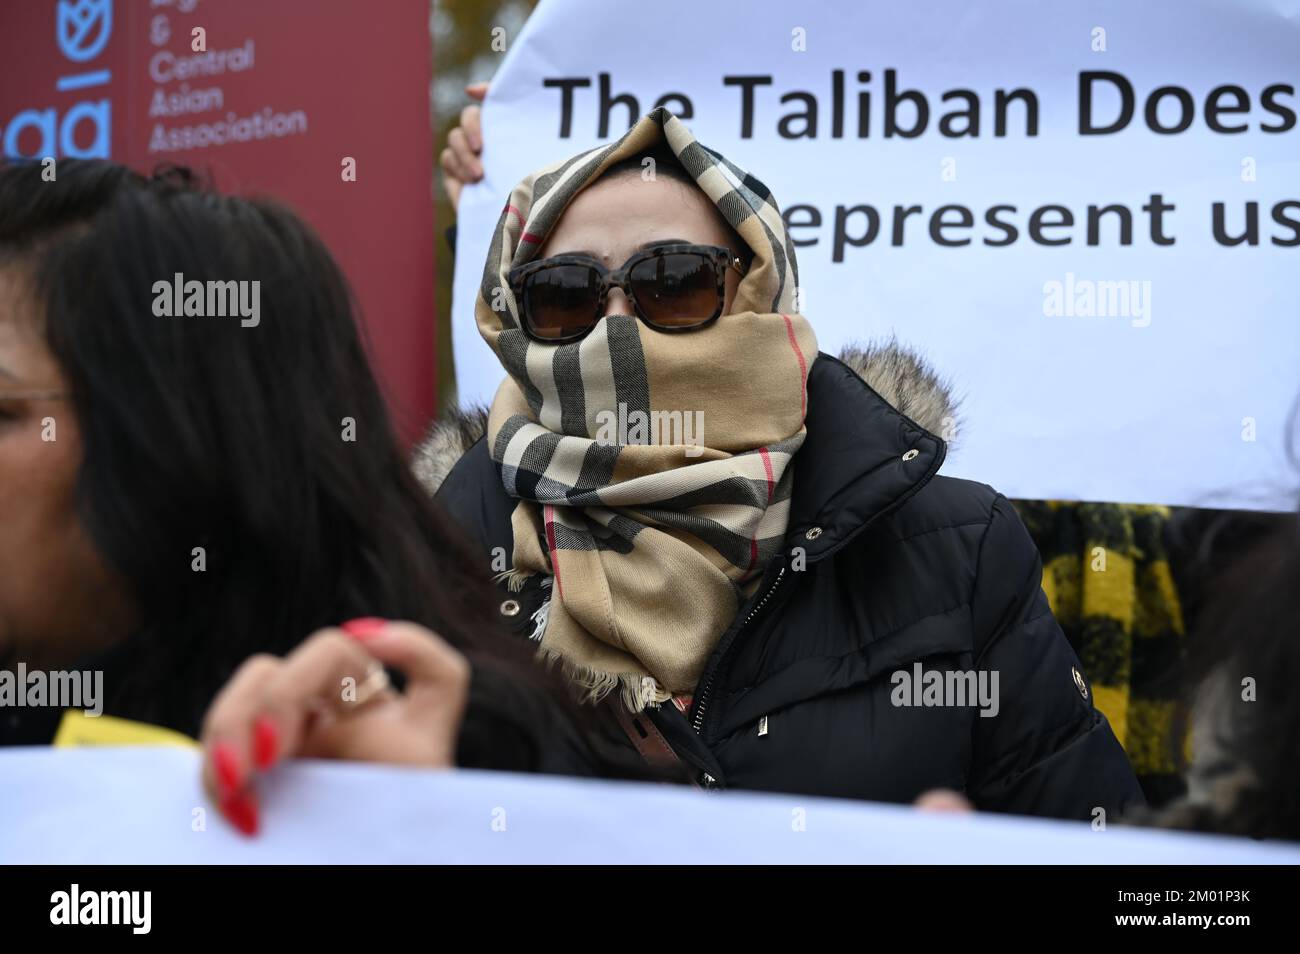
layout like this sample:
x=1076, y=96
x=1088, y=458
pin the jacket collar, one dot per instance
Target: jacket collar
x=862, y=457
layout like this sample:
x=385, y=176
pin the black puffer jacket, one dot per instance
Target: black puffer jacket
x=887, y=565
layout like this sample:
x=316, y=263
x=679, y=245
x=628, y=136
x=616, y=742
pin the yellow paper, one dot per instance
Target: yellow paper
x=77, y=729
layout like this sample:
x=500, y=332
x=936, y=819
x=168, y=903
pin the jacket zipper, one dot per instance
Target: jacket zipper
x=703, y=702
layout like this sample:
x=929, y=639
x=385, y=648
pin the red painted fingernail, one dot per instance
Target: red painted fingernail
x=266, y=742
x=241, y=811
x=227, y=765
x=364, y=627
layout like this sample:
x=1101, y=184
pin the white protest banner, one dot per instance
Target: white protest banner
x=102, y=805
x=1086, y=215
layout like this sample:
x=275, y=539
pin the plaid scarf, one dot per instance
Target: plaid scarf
x=650, y=548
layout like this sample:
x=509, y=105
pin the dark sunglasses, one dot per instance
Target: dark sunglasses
x=671, y=288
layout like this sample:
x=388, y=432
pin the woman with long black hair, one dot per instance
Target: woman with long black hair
x=184, y=496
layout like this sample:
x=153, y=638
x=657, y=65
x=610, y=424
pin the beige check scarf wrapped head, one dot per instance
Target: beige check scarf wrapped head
x=650, y=547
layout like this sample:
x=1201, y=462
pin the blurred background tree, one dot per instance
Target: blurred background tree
x=462, y=53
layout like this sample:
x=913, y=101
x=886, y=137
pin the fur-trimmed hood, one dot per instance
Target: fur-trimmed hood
x=897, y=373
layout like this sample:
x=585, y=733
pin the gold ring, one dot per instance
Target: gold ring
x=376, y=682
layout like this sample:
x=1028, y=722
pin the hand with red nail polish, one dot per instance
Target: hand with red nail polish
x=364, y=627
x=266, y=742
x=240, y=809
x=330, y=698
x=229, y=773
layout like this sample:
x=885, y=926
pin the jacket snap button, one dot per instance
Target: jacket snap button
x=1079, y=682
x=813, y=533
x=509, y=608
x=911, y=454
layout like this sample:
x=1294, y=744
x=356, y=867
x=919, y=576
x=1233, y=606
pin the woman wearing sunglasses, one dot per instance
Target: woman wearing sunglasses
x=796, y=600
